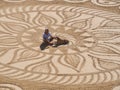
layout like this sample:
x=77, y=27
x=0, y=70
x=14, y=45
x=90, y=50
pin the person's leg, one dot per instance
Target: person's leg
x=43, y=45
x=50, y=41
x=44, y=41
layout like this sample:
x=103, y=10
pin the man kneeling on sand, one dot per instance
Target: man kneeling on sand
x=48, y=38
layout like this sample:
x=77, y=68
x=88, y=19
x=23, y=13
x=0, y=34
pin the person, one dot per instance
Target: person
x=47, y=37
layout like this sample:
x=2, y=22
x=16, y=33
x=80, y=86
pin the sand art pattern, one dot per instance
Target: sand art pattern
x=106, y=3
x=91, y=58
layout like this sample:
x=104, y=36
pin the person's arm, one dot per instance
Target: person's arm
x=52, y=36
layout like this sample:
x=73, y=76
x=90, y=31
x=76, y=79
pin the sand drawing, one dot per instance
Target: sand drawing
x=90, y=61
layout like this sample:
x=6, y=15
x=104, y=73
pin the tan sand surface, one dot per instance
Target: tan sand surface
x=91, y=60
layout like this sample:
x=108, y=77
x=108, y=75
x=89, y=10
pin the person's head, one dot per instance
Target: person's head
x=46, y=31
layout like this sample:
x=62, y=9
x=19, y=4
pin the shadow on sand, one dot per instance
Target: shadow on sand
x=58, y=43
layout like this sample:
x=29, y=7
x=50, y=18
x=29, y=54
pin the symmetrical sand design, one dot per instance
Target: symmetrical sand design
x=91, y=60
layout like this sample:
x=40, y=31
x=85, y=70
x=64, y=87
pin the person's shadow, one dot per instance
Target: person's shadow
x=43, y=46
